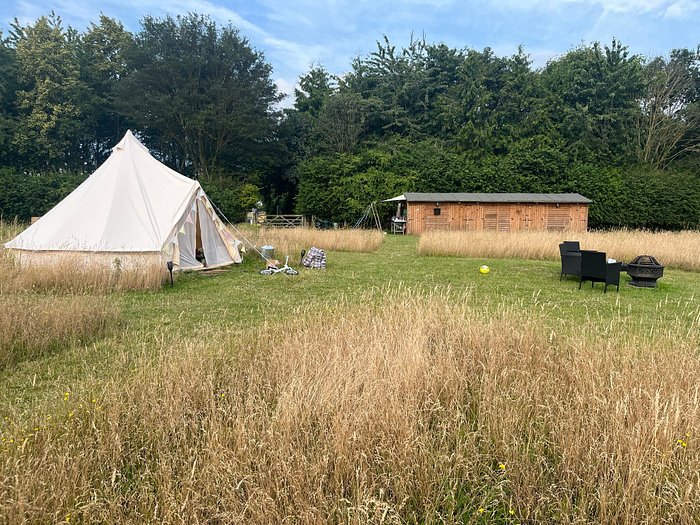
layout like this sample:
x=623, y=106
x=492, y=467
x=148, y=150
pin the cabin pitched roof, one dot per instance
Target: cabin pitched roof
x=519, y=198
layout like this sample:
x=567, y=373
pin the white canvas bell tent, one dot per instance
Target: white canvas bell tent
x=132, y=211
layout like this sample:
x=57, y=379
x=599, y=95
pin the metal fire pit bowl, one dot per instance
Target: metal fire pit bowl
x=644, y=271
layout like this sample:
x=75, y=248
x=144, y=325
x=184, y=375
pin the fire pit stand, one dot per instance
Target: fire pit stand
x=644, y=271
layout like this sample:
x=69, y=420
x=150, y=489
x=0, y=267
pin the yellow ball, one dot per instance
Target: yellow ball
x=484, y=269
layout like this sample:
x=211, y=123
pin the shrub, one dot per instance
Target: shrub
x=25, y=195
x=340, y=187
x=233, y=198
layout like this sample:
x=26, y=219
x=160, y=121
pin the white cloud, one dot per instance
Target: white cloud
x=674, y=11
x=610, y=6
x=28, y=12
x=628, y=6
x=286, y=86
x=291, y=15
x=178, y=7
x=290, y=54
x=681, y=9
x=294, y=54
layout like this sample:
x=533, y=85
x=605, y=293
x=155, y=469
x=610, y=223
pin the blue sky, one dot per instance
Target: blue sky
x=294, y=34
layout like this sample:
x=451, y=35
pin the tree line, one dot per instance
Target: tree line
x=622, y=129
x=619, y=128
x=199, y=95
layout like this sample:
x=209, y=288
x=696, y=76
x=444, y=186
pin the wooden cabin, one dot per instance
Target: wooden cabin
x=420, y=212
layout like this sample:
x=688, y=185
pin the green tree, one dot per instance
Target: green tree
x=340, y=123
x=8, y=113
x=441, y=64
x=494, y=103
x=50, y=93
x=669, y=126
x=593, y=99
x=102, y=66
x=202, y=94
x=393, y=84
x=313, y=89
x=294, y=137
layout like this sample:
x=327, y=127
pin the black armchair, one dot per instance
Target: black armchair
x=570, y=259
x=596, y=268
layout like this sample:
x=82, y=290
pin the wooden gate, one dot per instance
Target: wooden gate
x=284, y=221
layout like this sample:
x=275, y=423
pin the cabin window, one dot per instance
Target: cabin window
x=436, y=211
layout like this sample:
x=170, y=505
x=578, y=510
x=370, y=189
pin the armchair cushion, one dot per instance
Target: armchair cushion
x=595, y=268
x=571, y=246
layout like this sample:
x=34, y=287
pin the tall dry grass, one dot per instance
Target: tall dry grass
x=416, y=409
x=72, y=275
x=292, y=240
x=35, y=319
x=31, y=325
x=674, y=249
x=10, y=229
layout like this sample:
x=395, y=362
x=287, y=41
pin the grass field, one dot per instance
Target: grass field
x=390, y=388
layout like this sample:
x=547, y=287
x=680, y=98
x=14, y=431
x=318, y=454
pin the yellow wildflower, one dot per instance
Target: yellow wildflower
x=501, y=466
x=481, y=510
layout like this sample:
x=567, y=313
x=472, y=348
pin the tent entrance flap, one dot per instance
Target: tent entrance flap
x=187, y=240
x=215, y=250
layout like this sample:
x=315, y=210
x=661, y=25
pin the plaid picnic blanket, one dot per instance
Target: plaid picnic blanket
x=315, y=258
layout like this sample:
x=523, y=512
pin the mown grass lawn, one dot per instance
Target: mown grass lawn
x=239, y=298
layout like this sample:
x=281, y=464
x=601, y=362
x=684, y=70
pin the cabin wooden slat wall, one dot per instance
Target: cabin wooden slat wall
x=422, y=216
